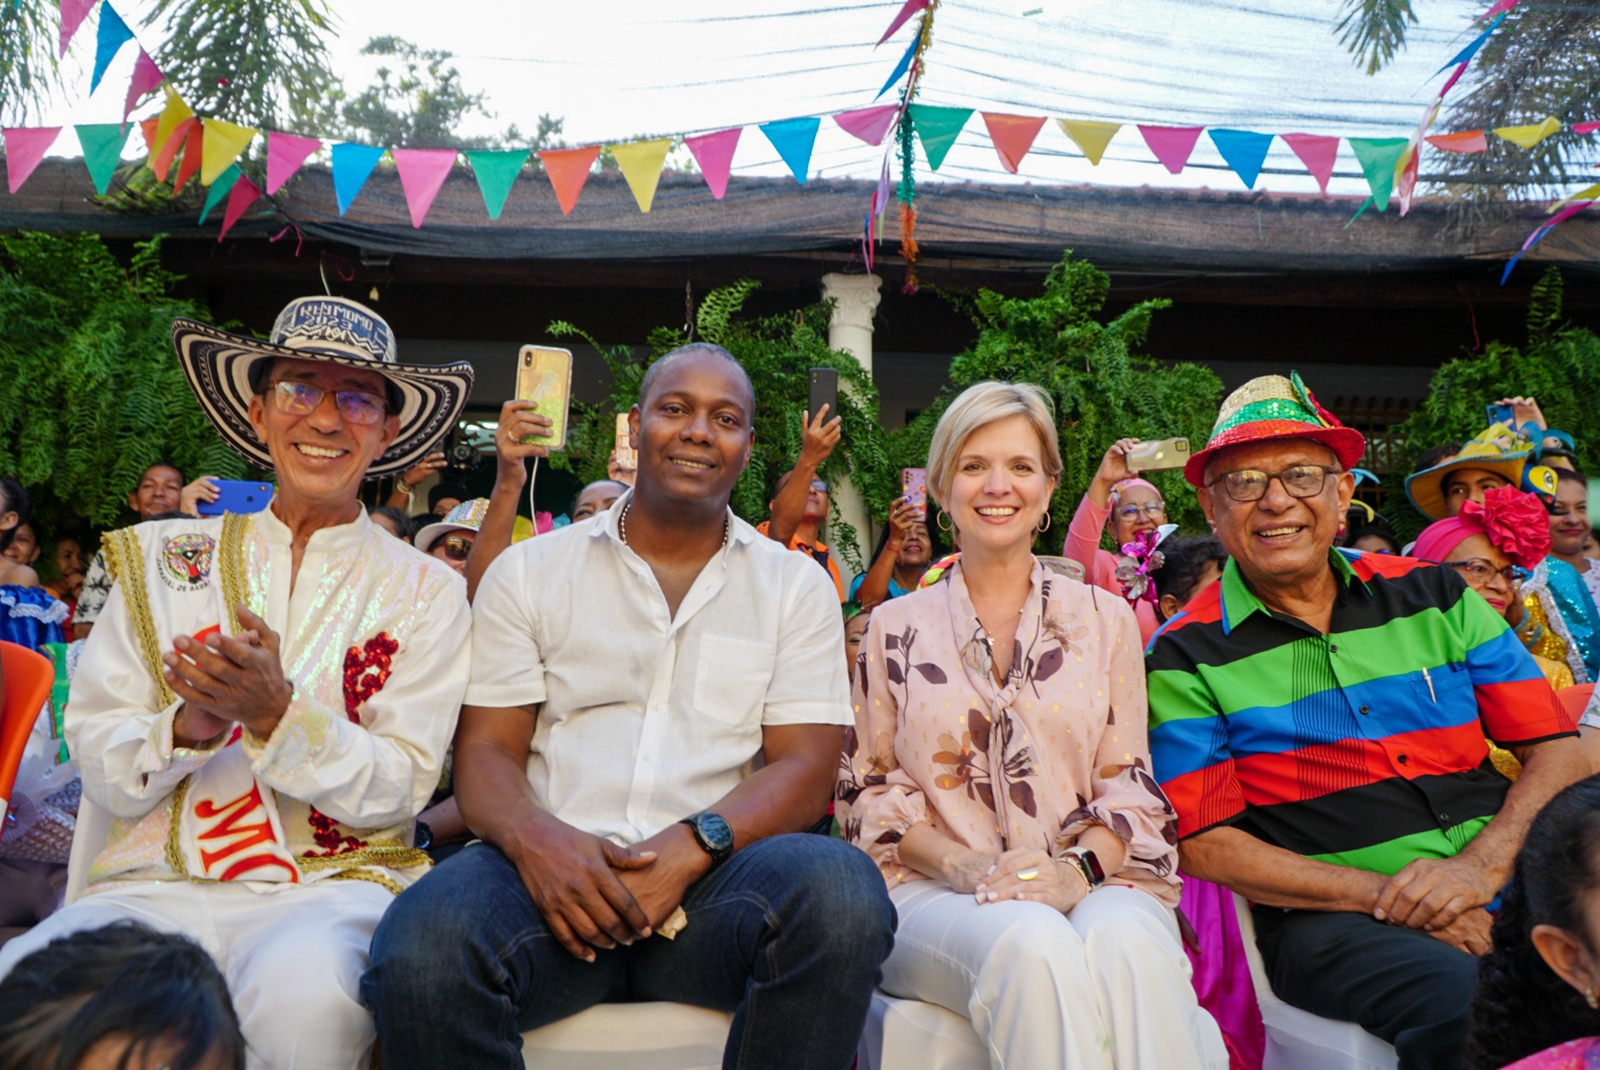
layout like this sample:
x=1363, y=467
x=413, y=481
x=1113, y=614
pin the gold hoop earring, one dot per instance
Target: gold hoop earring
x=1046, y=526
x=1592, y=998
x=942, y=521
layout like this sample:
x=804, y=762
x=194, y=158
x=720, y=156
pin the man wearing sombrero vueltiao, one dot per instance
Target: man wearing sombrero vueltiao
x=265, y=702
x=1317, y=718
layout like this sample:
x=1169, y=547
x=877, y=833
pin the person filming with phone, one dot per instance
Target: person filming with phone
x=1128, y=507
x=904, y=550
x=799, y=505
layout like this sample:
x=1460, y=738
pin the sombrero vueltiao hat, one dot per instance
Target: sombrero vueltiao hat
x=1272, y=407
x=1497, y=449
x=468, y=516
x=224, y=371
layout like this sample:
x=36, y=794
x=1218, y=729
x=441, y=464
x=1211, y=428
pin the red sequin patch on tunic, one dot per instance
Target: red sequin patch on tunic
x=366, y=670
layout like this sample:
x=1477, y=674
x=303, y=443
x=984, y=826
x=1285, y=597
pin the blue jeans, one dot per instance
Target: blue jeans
x=788, y=935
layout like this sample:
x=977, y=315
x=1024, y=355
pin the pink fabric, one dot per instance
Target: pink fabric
x=1573, y=1055
x=714, y=154
x=1512, y=519
x=1083, y=546
x=1442, y=536
x=1134, y=481
x=1222, y=972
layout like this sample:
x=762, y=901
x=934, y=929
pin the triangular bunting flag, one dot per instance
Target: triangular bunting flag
x=641, y=163
x=1171, y=144
x=1012, y=136
x=351, y=165
x=285, y=154
x=868, y=124
x=937, y=129
x=1499, y=6
x=1406, y=171
x=1466, y=54
x=714, y=154
x=1541, y=232
x=1379, y=157
x=147, y=127
x=240, y=198
x=223, y=144
x=495, y=171
x=1318, y=152
x=1528, y=136
x=25, y=147
x=1090, y=137
x=422, y=172
x=161, y=162
x=793, y=139
x=193, y=154
x=903, y=66
x=568, y=170
x=73, y=12
x=112, y=34
x=219, y=189
x=1588, y=194
x=175, y=112
x=1585, y=128
x=146, y=76
x=911, y=8
x=1244, y=151
x=102, y=150
x=1464, y=141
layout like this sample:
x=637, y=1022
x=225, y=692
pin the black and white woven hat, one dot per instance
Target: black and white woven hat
x=224, y=370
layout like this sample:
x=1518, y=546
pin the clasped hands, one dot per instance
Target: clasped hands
x=1022, y=873
x=1444, y=897
x=225, y=681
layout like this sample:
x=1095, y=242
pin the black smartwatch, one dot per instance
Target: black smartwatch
x=1087, y=863
x=713, y=835
x=423, y=839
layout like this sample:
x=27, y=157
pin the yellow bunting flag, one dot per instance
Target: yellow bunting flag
x=221, y=146
x=641, y=165
x=1091, y=137
x=174, y=113
x=1529, y=136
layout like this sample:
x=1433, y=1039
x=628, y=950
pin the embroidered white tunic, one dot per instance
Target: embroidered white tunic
x=375, y=637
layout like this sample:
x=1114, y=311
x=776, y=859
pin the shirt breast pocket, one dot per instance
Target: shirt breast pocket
x=730, y=683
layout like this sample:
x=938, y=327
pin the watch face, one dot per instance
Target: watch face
x=718, y=835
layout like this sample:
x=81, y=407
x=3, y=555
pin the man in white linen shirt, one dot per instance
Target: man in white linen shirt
x=266, y=700
x=628, y=670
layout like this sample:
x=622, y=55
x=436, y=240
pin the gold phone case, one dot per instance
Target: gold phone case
x=544, y=377
x=627, y=456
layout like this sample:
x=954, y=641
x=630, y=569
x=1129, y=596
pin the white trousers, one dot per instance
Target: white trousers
x=293, y=959
x=1104, y=987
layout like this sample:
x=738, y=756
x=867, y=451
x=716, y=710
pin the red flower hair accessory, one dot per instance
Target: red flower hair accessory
x=1515, y=522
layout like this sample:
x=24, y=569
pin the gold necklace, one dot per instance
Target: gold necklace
x=622, y=528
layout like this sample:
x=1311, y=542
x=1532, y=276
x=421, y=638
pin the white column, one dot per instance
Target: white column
x=855, y=301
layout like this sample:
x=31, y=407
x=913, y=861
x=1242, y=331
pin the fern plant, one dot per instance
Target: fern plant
x=91, y=393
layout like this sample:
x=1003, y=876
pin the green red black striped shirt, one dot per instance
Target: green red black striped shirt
x=1362, y=747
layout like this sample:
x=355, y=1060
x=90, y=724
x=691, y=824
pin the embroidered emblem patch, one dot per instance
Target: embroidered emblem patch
x=186, y=561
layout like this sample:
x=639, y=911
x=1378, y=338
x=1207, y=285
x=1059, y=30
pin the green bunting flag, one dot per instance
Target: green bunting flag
x=495, y=172
x=937, y=127
x=102, y=151
x=1378, y=157
x=219, y=190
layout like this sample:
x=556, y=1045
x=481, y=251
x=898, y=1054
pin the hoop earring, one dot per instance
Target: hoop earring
x=942, y=521
x=1592, y=998
x=1046, y=525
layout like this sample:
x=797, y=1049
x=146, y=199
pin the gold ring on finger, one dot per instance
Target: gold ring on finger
x=1027, y=874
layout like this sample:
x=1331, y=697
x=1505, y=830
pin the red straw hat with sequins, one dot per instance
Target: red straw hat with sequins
x=1270, y=408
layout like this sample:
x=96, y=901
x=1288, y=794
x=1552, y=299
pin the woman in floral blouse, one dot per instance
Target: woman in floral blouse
x=998, y=774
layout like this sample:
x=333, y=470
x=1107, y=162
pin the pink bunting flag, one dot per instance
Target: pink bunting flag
x=1500, y=5
x=25, y=147
x=146, y=76
x=1585, y=128
x=1317, y=152
x=1171, y=144
x=285, y=154
x=868, y=124
x=243, y=194
x=911, y=8
x=422, y=172
x=73, y=12
x=714, y=154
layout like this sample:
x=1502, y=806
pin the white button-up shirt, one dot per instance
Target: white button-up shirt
x=648, y=718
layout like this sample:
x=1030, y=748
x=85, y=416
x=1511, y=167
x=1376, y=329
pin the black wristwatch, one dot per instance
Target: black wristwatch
x=1087, y=863
x=423, y=838
x=713, y=835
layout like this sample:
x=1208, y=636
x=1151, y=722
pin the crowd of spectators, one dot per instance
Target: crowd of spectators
x=1045, y=775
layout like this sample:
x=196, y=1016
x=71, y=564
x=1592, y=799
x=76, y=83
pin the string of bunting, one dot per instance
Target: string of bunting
x=186, y=146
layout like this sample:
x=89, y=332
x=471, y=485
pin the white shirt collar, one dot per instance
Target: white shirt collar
x=740, y=531
x=325, y=540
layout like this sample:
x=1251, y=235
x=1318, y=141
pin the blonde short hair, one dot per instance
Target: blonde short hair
x=978, y=406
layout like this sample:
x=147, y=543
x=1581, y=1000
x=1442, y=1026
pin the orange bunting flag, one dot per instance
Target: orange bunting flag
x=1012, y=136
x=568, y=170
x=1465, y=141
x=192, y=153
x=147, y=127
x=172, y=115
x=167, y=151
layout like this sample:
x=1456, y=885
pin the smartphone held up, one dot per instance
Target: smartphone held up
x=914, y=487
x=822, y=390
x=544, y=377
x=627, y=456
x=1159, y=456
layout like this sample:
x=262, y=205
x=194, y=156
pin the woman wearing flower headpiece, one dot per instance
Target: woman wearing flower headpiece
x=1133, y=511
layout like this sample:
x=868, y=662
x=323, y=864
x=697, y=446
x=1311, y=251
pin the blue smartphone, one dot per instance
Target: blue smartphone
x=1499, y=414
x=238, y=496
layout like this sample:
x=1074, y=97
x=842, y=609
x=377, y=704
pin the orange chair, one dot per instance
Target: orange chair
x=28, y=679
x=1575, y=699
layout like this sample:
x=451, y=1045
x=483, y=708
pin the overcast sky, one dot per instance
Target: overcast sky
x=615, y=69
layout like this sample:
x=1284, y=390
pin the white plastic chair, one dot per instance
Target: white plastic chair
x=905, y=1034
x=630, y=1036
x=1300, y=1040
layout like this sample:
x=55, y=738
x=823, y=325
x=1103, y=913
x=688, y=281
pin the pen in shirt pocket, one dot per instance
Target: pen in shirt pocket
x=1431, y=693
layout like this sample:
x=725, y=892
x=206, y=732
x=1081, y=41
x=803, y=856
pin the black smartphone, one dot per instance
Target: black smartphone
x=824, y=390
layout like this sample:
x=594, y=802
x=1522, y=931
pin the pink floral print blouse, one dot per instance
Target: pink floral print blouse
x=1059, y=746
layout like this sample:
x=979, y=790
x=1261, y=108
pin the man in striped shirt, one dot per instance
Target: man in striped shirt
x=1318, y=717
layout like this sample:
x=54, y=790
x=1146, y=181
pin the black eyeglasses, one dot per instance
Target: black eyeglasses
x=1299, y=481
x=302, y=399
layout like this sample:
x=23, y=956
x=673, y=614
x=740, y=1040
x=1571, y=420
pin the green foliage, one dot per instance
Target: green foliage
x=1102, y=392
x=1560, y=367
x=90, y=391
x=28, y=64
x=1374, y=30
